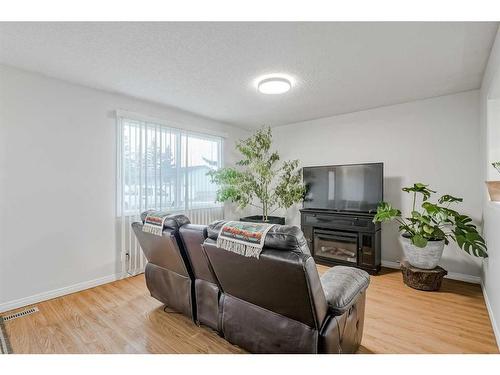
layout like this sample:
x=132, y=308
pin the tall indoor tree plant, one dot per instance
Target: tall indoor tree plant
x=429, y=228
x=260, y=181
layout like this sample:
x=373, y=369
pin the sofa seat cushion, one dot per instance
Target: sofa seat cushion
x=342, y=285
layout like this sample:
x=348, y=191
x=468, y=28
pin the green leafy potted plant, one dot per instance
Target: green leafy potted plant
x=426, y=231
x=494, y=186
x=261, y=181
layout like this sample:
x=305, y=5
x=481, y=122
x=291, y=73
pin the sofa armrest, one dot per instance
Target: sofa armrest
x=342, y=285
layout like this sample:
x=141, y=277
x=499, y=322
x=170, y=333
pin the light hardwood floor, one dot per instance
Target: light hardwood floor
x=121, y=317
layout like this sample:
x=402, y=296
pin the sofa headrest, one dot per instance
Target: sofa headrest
x=174, y=221
x=279, y=237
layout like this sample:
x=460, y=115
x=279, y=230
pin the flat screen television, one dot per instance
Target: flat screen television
x=354, y=187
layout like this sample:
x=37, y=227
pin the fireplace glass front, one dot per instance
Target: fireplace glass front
x=335, y=245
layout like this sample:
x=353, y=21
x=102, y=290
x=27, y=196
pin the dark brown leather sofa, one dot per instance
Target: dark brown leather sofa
x=168, y=272
x=274, y=304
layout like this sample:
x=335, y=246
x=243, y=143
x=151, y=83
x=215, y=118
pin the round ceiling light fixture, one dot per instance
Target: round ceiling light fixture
x=274, y=85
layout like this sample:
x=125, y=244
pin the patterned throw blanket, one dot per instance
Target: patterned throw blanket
x=154, y=222
x=243, y=238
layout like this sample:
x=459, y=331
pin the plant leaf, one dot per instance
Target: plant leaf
x=449, y=199
x=421, y=189
x=467, y=237
x=419, y=241
x=385, y=212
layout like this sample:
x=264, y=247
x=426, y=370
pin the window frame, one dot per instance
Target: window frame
x=180, y=131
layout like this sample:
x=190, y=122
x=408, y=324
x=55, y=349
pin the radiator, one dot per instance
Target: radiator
x=133, y=260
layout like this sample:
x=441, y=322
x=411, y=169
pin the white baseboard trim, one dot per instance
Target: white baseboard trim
x=389, y=264
x=496, y=328
x=451, y=275
x=463, y=277
x=59, y=292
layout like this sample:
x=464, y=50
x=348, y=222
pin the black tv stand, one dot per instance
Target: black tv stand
x=343, y=238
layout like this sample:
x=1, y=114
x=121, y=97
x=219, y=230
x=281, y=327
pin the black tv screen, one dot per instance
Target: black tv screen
x=356, y=187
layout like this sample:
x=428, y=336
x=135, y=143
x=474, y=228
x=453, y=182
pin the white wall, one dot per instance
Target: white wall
x=434, y=141
x=490, y=151
x=57, y=182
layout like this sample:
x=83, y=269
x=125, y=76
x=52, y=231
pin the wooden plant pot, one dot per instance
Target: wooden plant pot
x=418, y=278
x=494, y=190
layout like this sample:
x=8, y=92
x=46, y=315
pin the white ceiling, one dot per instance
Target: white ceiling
x=209, y=68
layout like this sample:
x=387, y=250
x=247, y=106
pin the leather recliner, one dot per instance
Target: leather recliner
x=279, y=304
x=168, y=272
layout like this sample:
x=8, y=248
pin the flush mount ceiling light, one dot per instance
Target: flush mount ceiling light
x=274, y=85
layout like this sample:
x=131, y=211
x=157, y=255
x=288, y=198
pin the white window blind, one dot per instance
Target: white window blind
x=163, y=168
